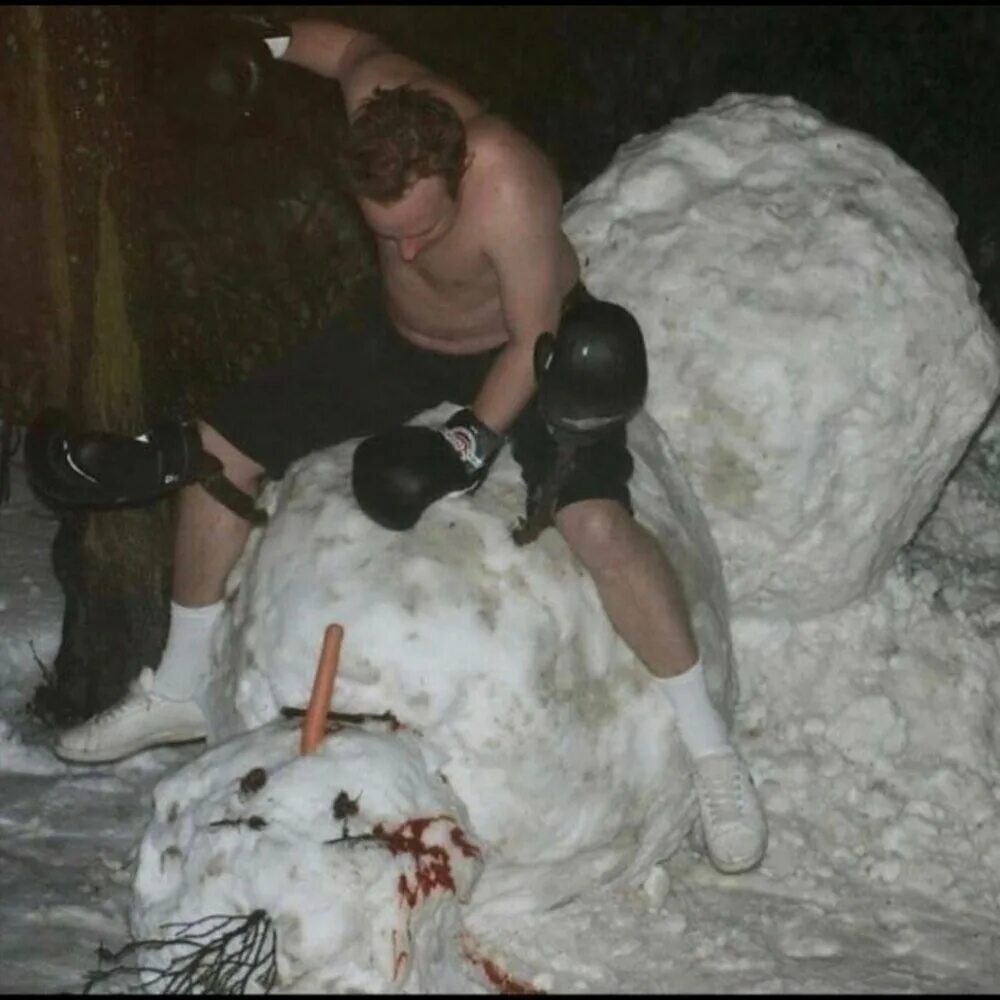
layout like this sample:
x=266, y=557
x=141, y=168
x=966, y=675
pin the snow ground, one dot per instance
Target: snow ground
x=809, y=920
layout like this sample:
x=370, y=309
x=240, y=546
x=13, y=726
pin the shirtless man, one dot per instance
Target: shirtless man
x=466, y=215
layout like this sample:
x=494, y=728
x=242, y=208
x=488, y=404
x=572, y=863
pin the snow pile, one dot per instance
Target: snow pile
x=358, y=853
x=819, y=356
x=820, y=361
x=500, y=656
x=18, y=758
x=882, y=726
x=525, y=720
x=960, y=541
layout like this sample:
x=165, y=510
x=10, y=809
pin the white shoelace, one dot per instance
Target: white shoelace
x=142, y=685
x=723, y=792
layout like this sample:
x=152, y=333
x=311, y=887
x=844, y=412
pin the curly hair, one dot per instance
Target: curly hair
x=399, y=136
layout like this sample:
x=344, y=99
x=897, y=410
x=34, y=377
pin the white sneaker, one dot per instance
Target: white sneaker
x=733, y=827
x=142, y=719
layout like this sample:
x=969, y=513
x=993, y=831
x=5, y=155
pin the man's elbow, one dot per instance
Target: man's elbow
x=329, y=49
x=363, y=46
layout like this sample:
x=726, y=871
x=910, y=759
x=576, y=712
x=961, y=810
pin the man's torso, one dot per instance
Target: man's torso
x=448, y=298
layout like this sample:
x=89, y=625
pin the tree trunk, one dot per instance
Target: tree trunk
x=24, y=347
x=83, y=73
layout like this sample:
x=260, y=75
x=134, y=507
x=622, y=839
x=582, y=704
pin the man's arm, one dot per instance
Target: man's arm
x=330, y=49
x=526, y=245
x=360, y=61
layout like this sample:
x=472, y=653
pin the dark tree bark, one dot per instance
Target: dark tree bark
x=82, y=70
x=25, y=349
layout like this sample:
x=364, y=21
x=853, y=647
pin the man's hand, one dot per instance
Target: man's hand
x=99, y=470
x=592, y=377
x=398, y=474
x=213, y=73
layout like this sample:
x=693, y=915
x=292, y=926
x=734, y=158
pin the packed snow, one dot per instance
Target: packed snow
x=499, y=655
x=820, y=354
x=819, y=364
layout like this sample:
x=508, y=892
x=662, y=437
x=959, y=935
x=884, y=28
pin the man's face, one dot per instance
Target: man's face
x=421, y=217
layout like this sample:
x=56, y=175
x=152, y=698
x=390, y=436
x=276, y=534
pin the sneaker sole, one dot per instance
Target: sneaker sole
x=737, y=868
x=104, y=757
x=696, y=838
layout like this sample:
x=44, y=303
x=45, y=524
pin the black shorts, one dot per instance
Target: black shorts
x=361, y=377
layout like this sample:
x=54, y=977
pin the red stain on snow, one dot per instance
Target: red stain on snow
x=431, y=872
x=503, y=981
x=432, y=861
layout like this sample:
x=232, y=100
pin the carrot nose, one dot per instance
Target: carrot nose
x=314, y=723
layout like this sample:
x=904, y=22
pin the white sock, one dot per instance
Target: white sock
x=701, y=727
x=183, y=671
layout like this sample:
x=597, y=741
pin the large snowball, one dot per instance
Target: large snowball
x=552, y=736
x=818, y=355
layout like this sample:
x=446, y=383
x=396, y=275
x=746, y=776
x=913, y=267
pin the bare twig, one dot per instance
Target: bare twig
x=221, y=954
x=346, y=718
x=254, y=822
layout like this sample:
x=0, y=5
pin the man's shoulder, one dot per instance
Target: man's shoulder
x=501, y=150
x=492, y=131
x=515, y=186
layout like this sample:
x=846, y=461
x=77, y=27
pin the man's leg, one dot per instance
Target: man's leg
x=637, y=585
x=644, y=601
x=210, y=537
x=162, y=706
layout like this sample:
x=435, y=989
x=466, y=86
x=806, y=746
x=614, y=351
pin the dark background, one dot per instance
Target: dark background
x=253, y=243
x=581, y=80
x=584, y=79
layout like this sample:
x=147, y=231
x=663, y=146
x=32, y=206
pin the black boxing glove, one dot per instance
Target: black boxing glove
x=212, y=74
x=398, y=474
x=593, y=376
x=98, y=470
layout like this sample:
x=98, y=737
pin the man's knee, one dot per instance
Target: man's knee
x=240, y=469
x=601, y=533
